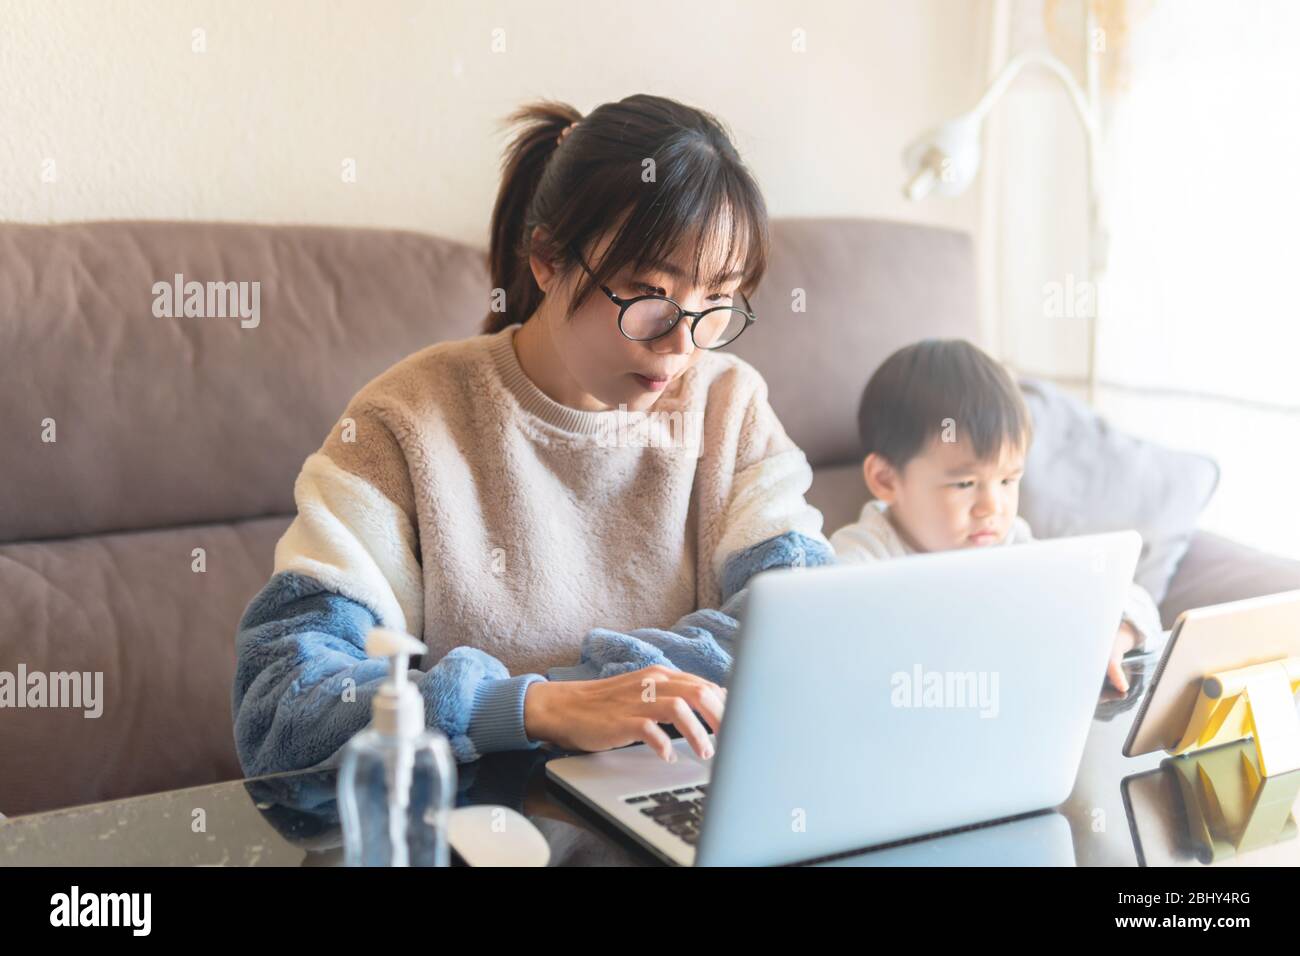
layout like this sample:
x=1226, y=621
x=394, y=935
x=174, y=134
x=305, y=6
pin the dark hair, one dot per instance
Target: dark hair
x=919, y=387
x=577, y=189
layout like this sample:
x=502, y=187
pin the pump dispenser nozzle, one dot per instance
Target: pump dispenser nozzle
x=398, y=707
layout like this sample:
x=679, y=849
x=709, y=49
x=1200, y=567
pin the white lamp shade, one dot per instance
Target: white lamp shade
x=945, y=160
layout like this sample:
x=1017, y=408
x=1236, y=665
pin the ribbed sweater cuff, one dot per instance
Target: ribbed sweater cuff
x=584, y=671
x=497, y=719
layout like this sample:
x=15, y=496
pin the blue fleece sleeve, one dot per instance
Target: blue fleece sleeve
x=703, y=642
x=303, y=683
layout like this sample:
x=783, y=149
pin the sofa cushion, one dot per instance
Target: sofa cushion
x=838, y=492
x=1217, y=570
x=164, y=421
x=133, y=608
x=839, y=296
x=1084, y=476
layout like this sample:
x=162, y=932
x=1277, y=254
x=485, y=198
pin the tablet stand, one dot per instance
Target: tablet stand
x=1257, y=701
x=1231, y=807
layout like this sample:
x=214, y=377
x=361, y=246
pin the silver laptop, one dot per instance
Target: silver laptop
x=874, y=703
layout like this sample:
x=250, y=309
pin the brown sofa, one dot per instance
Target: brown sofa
x=178, y=434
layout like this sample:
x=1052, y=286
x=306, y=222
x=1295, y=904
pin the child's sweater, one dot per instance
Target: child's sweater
x=873, y=537
x=456, y=501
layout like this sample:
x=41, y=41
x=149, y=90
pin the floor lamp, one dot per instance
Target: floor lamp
x=945, y=160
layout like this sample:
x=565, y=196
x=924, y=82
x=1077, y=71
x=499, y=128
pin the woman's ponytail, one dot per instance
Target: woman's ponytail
x=515, y=294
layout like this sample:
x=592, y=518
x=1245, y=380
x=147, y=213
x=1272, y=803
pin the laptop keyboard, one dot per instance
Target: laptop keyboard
x=679, y=810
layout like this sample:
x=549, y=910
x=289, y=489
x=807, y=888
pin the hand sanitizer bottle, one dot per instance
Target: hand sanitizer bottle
x=397, y=779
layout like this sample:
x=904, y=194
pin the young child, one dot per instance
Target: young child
x=946, y=433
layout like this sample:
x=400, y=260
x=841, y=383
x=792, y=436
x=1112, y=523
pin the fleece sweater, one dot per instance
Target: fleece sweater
x=873, y=537
x=514, y=536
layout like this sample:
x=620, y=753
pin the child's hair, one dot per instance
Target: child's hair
x=663, y=172
x=923, y=389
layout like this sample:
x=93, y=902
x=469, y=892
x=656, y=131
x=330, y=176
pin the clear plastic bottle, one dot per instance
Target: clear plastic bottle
x=397, y=779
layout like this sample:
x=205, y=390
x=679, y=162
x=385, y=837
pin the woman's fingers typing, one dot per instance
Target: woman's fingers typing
x=702, y=698
x=645, y=729
x=616, y=711
x=673, y=698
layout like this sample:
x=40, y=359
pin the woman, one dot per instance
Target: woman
x=590, y=463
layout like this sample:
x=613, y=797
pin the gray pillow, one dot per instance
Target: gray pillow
x=1083, y=477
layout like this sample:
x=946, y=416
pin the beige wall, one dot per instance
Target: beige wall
x=133, y=123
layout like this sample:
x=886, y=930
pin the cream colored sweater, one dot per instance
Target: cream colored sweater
x=456, y=501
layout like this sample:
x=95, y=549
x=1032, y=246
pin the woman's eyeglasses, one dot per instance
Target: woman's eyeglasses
x=647, y=317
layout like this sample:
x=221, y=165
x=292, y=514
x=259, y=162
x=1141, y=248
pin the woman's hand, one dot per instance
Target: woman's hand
x=615, y=711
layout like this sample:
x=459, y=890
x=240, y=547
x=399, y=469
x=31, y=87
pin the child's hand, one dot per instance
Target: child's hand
x=1125, y=641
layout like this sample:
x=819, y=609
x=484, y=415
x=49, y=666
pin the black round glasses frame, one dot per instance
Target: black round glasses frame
x=623, y=305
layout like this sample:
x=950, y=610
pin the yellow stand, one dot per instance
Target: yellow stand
x=1239, y=795
x=1256, y=701
x=1231, y=807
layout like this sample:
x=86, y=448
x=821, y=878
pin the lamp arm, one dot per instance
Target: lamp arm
x=1053, y=66
x=1084, y=106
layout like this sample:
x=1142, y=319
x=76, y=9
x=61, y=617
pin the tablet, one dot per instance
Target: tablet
x=1205, y=640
